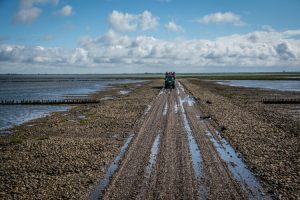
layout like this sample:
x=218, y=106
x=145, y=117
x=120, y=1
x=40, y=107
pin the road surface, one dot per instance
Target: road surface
x=176, y=153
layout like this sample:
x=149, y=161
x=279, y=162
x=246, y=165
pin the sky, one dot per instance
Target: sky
x=138, y=36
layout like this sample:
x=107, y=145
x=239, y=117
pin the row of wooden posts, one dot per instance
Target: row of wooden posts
x=48, y=102
x=281, y=101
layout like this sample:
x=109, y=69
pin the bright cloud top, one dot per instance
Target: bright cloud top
x=219, y=17
x=123, y=22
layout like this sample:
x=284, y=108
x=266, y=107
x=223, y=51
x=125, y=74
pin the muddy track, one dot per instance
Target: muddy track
x=177, y=155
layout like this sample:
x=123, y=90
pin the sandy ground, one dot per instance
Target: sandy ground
x=177, y=146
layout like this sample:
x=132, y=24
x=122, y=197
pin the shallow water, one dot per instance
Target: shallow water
x=237, y=167
x=98, y=192
x=165, y=109
x=292, y=85
x=153, y=155
x=124, y=92
x=193, y=147
x=44, y=87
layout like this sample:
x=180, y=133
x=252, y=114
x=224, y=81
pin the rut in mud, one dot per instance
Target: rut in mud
x=177, y=154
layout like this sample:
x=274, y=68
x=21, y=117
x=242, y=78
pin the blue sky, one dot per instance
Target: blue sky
x=105, y=36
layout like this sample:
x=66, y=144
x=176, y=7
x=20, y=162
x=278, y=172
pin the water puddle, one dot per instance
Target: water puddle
x=147, y=109
x=153, y=155
x=175, y=108
x=124, y=92
x=194, y=150
x=165, y=109
x=81, y=117
x=237, y=167
x=161, y=92
x=107, y=98
x=98, y=192
x=180, y=86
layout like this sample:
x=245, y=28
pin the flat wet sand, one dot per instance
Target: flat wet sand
x=67, y=154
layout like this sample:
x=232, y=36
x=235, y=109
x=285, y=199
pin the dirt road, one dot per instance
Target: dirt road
x=176, y=153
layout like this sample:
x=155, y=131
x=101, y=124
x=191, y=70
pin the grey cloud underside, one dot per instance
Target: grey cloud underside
x=253, y=49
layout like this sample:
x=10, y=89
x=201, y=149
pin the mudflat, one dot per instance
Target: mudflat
x=65, y=154
x=199, y=140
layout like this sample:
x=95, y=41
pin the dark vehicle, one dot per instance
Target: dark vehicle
x=170, y=80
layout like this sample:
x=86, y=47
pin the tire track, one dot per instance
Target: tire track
x=221, y=178
x=173, y=177
x=126, y=181
x=173, y=156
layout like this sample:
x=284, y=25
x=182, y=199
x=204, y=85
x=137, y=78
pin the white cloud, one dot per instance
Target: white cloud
x=147, y=21
x=172, y=26
x=123, y=22
x=219, y=17
x=279, y=49
x=27, y=15
x=65, y=11
x=28, y=10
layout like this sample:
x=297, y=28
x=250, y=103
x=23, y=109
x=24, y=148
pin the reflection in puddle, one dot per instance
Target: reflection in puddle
x=161, y=91
x=98, y=192
x=153, y=155
x=237, y=167
x=124, y=92
x=176, y=107
x=194, y=150
x=165, y=109
x=147, y=109
x=107, y=98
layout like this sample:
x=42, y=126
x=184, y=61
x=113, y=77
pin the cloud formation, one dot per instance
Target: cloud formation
x=125, y=22
x=254, y=49
x=28, y=10
x=219, y=17
x=172, y=26
x=65, y=11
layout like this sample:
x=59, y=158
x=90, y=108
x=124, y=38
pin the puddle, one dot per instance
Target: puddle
x=153, y=155
x=147, y=109
x=81, y=117
x=107, y=98
x=161, y=91
x=124, y=92
x=165, y=109
x=180, y=86
x=175, y=108
x=237, y=167
x=194, y=151
x=98, y=192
